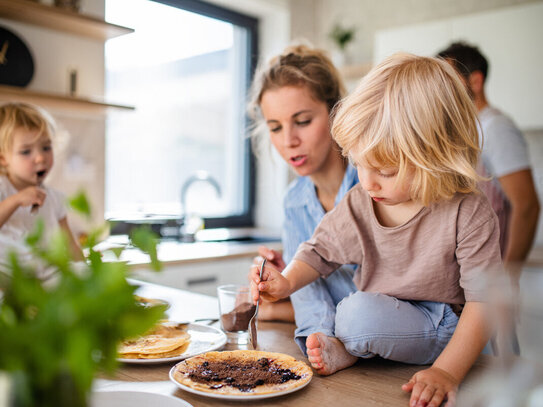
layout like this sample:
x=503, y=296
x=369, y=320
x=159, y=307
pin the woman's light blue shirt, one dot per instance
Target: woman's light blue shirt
x=303, y=210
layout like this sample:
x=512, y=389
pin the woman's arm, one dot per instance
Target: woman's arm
x=430, y=386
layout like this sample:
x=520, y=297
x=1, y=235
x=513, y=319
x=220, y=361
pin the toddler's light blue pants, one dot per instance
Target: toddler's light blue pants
x=371, y=324
x=405, y=331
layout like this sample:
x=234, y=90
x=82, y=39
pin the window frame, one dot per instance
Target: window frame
x=246, y=219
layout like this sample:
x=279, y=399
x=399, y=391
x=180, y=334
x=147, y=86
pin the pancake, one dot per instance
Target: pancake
x=173, y=353
x=242, y=373
x=164, y=340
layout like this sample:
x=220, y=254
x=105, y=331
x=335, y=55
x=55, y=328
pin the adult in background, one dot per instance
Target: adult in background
x=505, y=159
x=292, y=97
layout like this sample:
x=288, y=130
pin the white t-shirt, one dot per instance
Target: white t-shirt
x=504, y=152
x=504, y=147
x=22, y=221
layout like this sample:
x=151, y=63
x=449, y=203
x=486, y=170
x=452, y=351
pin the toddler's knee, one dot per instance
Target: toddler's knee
x=354, y=314
x=357, y=302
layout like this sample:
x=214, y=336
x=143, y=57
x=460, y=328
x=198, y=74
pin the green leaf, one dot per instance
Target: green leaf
x=342, y=35
x=117, y=251
x=95, y=235
x=58, y=251
x=35, y=236
x=80, y=204
x=146, y=240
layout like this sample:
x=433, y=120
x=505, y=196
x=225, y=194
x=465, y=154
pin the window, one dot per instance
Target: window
x=186, y=69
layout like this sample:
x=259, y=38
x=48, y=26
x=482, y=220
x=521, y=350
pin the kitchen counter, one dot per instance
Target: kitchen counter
x=374, y=382
x=200, y=266
x=173, y=252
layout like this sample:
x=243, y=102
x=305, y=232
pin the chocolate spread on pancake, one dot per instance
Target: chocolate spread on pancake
x=238, y=319
x=242, y=374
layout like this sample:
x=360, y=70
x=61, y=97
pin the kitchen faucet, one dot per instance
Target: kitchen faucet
x=199, y=176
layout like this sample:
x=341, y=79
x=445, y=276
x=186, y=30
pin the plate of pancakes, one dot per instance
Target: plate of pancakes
x=242, y=375
x=170, y=341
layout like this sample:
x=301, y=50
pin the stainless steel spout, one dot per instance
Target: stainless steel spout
x=199, y=176
x=186, y=234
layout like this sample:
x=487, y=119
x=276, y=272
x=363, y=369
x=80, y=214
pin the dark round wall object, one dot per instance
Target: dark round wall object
x=16, y=63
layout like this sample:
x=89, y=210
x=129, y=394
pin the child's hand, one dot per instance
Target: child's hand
x=273, y=285
x=272, y=256
x=430, y=387
x=31, y=196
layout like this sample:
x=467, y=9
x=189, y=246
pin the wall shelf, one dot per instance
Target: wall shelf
x=56, y=101
x=58, y=19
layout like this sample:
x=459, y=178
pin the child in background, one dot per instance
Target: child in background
x=26, y=157
x=416, y=224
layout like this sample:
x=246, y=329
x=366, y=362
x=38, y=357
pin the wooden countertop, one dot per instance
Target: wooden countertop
x=374, y=382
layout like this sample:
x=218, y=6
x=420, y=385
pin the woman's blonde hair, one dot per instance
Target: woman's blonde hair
x=298, y=65
x=29, y=117
x=413, y=113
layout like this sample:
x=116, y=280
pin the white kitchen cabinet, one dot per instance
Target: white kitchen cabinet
x=202, y=277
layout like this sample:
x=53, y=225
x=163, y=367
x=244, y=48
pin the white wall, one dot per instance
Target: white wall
x=370, y=16
x=509, y=38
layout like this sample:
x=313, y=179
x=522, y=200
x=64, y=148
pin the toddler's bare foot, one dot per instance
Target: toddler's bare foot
x=327, y=354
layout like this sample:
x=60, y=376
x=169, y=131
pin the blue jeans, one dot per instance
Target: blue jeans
x=315, y=304
x=415, y=332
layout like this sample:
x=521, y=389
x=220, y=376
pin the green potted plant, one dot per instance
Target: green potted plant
x=55, y=337
x=341, y=37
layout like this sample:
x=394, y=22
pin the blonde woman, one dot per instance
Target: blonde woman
x=416, y=224
x=292, y=97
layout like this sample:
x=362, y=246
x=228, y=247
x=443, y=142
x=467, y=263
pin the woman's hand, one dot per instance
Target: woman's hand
x=272, y=256
x=273, y=285
x=430, y=387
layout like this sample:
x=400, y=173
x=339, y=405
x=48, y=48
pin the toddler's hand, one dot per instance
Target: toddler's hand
x=272, y=256
x=31, y=196
x=430, y=387
x=273, y=285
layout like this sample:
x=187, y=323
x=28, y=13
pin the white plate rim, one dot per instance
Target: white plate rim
x=134, y=393
x=247, y=397
x=215, y=346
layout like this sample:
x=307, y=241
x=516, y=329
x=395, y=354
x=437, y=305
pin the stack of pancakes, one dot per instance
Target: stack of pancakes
x=163, y=341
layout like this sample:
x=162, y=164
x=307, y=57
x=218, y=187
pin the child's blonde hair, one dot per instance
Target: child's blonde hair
x=298, y=65
x=413, y=113
x=29, y=117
